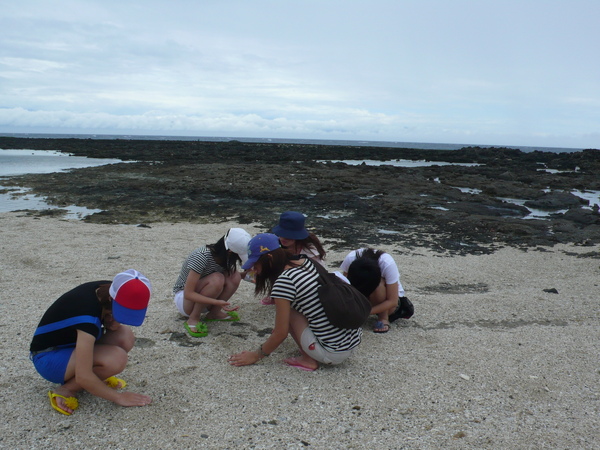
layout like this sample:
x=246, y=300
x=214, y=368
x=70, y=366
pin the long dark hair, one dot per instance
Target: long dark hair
x=365, y=275
x=226, y=259
x=370, y=253
x=311, y=242
x=272, y=264
x=364, y=272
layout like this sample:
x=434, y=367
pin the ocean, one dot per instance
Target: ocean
x=19, y=162
x=395, y=144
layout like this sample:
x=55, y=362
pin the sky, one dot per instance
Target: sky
x=479, y=72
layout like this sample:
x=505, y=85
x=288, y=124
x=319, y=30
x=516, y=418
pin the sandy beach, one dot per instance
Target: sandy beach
x=502, y=352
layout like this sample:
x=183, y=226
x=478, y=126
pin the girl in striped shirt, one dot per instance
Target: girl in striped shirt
x=208, y=279
x=294, y=287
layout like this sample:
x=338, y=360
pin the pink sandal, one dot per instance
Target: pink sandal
x=267, y=301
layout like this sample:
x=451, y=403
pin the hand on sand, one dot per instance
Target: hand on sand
x=244, y=358
x=132, y=399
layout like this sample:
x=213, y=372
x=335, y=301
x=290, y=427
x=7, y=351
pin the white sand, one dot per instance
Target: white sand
x=489, y=360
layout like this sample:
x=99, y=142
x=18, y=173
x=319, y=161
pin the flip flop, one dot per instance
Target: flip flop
x=113, y=382
x=232, y=316
x=381, y=327
x=293, y=362
x=267, y=301
x=70, y=402
x=201, y=329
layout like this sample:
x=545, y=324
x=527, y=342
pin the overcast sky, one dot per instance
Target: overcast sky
x=490, y=72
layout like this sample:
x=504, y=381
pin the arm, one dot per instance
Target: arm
x=280, y=332
x=390, y=291
x=189, y=292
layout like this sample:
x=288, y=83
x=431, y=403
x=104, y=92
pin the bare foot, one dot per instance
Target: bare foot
x=115, y=383
x=219, y=315
x=302, y=363
x=230, y=316
x=194, y=327
x=381, y=326
x=67, y=404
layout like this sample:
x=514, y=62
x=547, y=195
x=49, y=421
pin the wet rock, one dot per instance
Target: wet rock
x=553, y=201
x=458, y=209
x=582, y=216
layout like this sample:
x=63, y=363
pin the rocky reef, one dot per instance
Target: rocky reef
x=479, y=202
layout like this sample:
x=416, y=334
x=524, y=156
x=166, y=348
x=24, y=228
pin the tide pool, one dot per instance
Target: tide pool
x=21, y=162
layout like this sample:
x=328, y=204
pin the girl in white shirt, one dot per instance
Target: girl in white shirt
x=376, y=275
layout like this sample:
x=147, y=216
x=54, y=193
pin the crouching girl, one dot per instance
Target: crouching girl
x=293, y=285
x=81, y=342
x=208, y=279
x=376, y=275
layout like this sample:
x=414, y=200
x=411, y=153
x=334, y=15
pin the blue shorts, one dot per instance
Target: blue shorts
x=52, y=365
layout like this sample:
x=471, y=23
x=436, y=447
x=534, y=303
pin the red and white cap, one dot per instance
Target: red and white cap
x=130, y=291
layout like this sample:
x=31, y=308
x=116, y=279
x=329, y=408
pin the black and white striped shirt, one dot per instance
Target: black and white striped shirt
x=300, y=286
x=200, y=261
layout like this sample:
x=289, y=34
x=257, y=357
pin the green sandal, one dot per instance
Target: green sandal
x=201, y=329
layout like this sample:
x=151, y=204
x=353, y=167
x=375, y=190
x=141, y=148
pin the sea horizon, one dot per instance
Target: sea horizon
x=340, y=142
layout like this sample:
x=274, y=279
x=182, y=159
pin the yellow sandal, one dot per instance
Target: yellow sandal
x=113, y=382
x=70, y=402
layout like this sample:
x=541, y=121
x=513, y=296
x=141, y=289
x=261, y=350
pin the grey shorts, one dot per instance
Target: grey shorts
x=316, y=351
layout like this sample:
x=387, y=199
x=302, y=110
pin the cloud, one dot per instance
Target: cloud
x=434, y=71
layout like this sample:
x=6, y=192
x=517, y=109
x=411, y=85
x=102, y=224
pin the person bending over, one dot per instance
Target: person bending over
x=82, y=342
x=208, y=279
x=293, y=285
x=376, y=275
x=296, y=239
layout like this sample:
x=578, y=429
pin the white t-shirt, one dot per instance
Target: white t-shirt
x=312, y=254
x=389, y=269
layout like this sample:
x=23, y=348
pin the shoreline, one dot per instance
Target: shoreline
x=492, y=357
x=448, y=208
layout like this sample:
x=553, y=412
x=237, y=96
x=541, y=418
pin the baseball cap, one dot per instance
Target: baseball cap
x=291, y=226
x=130, y=291
x=236, y=240
x=259, y=245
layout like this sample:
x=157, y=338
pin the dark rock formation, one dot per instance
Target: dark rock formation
x=463, y=209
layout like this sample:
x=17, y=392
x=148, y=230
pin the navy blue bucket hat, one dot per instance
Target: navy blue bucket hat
x=291, y=226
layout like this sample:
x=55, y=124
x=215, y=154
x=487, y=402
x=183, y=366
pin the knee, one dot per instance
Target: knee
x=212, y=285
x=216, y=279
x=233, y=281
x=118, y=360
x=378, y=296
x=111, y=360
x=125, y=339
